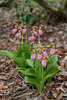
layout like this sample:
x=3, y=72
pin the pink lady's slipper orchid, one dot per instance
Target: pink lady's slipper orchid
x=35, y=33
x=43, y=63
x=52, y=51
x=24, y=31
x=33, y=56
x=14, y=31
x=39, y=57
x=31, y=38
x=17, y=35
x=40, y=32
x=44, y=53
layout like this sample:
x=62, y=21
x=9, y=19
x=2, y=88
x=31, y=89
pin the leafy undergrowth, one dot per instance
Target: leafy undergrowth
x=12, y=85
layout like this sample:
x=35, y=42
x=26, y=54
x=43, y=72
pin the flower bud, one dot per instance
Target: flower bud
x=17, y=35
x=31, y=38
x=40, y=32
x=35, y=33
x=33, y=56
x=44, y=53
x=14, y=31
x=24, y=31
x=43, y=63
x=39, y=57
x=52, y=51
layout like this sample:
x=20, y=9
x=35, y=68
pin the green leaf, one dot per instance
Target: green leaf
x=18, y=61
x=24, y=17
x=30, y=63
x=16, y=5
x=51, y=63
x=35, y=0
x=10, y=8
x=25, y=57
x=7, y=53
x=30, y=17
x=32, y=80
x=18, y=52
x=22, y=70
x=26, y=47
x=26, y=7
x=54, y=70
x=36, y=47
x=43, y=81
x=53, y=60
x=31, y=72
x=47, y=76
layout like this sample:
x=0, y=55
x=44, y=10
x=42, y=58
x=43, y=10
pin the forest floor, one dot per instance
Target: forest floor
x=12, y=85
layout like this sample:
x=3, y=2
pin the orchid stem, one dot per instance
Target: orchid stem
x=38, y=37
x=18, y=42
x=42, y=72
x=33, y=44
x=26, y=37
x=22, y=43
x=22, y=38
x=36, y=65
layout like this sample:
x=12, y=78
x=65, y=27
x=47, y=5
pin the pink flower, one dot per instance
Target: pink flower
x=52, y=51
x=43, y=63
x=24, y=31
x=14, y=31
x=39, y=57
x=40, y=32
x=44, y=53
x=31, y=38
x=17, y=35
x=35, y=33
x=33, y=56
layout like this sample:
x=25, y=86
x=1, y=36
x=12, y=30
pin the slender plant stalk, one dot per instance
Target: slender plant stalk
x=26, y=37
x=18, y=42
x=38, y=37
x=36, y=65
x=33, y=43
x=22, y=37
x=22, y=44
x=42, y=72
x=40, y=68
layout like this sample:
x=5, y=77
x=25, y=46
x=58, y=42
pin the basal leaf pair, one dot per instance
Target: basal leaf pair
x=37, y=75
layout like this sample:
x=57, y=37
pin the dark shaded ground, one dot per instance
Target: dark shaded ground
x=12, y=85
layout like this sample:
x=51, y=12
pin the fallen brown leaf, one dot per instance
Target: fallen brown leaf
x=59, y=96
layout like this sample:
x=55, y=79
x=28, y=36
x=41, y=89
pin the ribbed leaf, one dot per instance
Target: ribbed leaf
x=26, y=47
x=18, y=61
x=32, y=80
x=51, y=63
x=18, y=52
x=7, y=53
x=30, y=63
x=53, y=70
x=43, y=81
x=22, y=70
x=29, y=72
